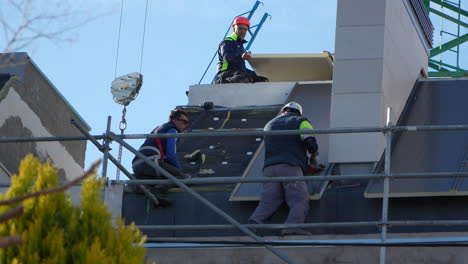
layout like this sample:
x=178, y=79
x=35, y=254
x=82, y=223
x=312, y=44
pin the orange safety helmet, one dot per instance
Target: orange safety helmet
x=241, y=20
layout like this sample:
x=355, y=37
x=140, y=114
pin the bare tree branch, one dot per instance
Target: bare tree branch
x=10, y=241
x=28, y=21
x=62, y=187
x=12, y=213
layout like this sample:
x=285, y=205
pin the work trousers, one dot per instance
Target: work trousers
x=237, y=76
x=144, y=171
x=294, y=193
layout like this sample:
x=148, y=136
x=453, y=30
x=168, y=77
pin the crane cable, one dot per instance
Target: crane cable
x=123, y=122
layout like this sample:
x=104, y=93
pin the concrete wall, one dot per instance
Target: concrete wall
x=318, y=254
x=30, y=106
x=378, y=57
x=240, y=94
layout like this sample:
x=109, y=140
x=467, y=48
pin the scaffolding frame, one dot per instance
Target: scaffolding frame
x=450, y=40
x=383, y=224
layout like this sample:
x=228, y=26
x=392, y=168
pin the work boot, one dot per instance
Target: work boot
x=160, y=188
x=164, y=202
x=295, y=231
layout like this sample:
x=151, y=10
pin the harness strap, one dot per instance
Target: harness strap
x=160, y=146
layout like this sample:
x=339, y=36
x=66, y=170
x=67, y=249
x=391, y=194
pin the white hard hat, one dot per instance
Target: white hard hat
x=293, y=105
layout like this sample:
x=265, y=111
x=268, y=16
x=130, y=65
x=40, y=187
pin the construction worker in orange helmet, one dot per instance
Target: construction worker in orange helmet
x=232, y=56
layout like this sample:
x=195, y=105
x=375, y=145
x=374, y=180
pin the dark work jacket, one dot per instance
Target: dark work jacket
x=229, y=54
x=151, y=142
x=287, y=149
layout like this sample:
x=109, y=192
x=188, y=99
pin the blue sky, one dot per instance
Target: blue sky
x=181, y=37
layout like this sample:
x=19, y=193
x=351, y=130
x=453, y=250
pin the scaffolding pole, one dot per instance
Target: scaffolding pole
x=148, y=194
x=375, y=224
x=226, y=180
x=220, y=212
x=234, y=132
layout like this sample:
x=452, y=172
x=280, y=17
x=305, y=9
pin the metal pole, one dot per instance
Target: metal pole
x=106, y=149
x=233, y=132
x=386, y=190
x=45, y=139
x=254, y=8
x=392, y=242
x=129, y=175
x=259, y=26
x=309, y=225
x=235, y=179
x=224, y=133
x=122, y=168
x=200, y=198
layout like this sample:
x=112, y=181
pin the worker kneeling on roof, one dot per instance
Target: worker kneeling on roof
x=286, y=155
x=232, y=56
x=162, y=150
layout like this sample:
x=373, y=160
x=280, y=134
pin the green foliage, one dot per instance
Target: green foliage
x=55, y=231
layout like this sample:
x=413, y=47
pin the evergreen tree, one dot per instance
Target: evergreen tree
x=53, y=230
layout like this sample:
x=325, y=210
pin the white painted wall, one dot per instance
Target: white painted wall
x=13, y=105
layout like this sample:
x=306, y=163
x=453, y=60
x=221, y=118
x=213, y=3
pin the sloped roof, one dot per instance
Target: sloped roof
x=225, y=156
x=432, y=102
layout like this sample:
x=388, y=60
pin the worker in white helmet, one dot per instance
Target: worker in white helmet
x=286, y=155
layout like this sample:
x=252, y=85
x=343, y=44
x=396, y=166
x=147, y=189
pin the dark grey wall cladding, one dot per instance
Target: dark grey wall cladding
x=13, y=63
x=423, y=17
x=4, y=79
x=433, y=102
x=9, y=152
x=345, y=204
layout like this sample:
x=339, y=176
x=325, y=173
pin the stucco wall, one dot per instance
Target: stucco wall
x=18, y=119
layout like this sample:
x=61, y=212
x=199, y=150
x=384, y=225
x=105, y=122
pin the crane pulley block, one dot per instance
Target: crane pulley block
x=125, y=88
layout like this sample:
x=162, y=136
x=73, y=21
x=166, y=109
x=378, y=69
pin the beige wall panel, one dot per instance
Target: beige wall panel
x=360, y=42
x=359, y=109
x=293, y=67
x=357, y=76
x=356, y=110
x=360, y=12
x=240, y=94
x=362, y=147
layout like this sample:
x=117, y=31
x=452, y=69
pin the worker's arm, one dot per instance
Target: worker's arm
x=171, y=150
x=230, y=51
x=308, y=139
